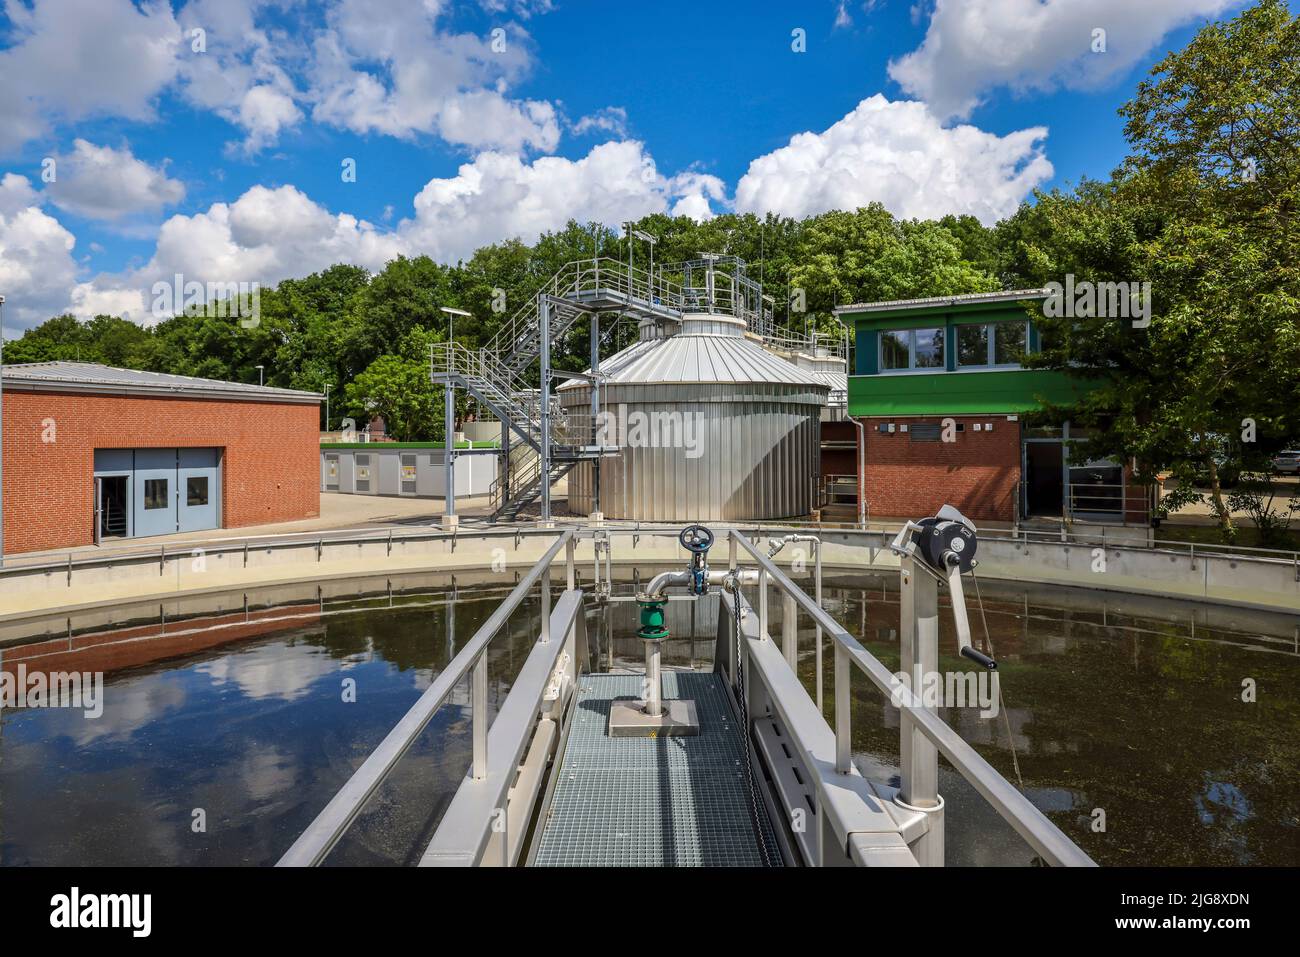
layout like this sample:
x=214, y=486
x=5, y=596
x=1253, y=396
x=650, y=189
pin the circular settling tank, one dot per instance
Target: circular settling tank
x=707, y=424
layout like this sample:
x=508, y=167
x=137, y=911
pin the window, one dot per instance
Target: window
x=155, y=493
x=894, y=350
x=904, y=349
x=972, y=345
x=1009, y=343
x=928, y=347
x=995, y=344
x=196, y=491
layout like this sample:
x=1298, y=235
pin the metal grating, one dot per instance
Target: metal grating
x=653, y=802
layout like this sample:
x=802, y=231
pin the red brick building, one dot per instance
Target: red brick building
x=92, y=453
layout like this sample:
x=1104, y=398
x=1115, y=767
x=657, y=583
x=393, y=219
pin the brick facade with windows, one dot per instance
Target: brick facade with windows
x=978, y=472
x=268, y=452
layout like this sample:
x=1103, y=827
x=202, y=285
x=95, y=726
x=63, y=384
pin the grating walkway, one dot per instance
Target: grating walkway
x=649, y=802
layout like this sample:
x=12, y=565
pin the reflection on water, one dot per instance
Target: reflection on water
x=1127, y=705
x=219, y=747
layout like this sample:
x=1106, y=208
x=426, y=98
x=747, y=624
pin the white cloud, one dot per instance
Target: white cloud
x=36, y=264
x=16, y=194
x=100, y=182
x=498, y=196
x=611, y=119
x=385, y=67
x=972, y=46
x=70, y=59
x=238, y=73
x=263, y=237
x=898, y=154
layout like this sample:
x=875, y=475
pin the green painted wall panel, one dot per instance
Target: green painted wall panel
x=960, y=393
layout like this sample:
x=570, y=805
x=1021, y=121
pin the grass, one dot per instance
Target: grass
x=1247, y=536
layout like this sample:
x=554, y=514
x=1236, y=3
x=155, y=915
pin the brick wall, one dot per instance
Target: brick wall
x=977, y=473
x=270, y=469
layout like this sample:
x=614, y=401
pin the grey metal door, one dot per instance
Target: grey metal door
x=155, y=505
x=198, y=485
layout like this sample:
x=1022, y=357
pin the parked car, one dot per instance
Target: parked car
x=1287, y=462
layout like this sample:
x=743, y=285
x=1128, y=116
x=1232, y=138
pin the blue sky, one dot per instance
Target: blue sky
x=219, y=155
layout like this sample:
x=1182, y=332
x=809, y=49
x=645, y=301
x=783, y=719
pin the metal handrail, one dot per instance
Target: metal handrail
x=320, y=837
x=1016, y=809
x=15, y=564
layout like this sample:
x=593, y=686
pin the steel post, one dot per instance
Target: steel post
x=919, y=654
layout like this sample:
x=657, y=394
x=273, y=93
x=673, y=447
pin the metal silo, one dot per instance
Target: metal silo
x=708, y=424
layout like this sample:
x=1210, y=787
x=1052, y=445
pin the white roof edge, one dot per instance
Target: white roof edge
x=1009, y=295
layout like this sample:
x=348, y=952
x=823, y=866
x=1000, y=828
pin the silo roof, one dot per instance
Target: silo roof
x=700, y=358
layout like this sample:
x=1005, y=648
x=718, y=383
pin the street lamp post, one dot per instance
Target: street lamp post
x=260, y=380
x=328, y=386
x=449, y=519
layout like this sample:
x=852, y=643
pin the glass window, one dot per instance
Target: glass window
x=893, y=350
x=1008, y=343
x=972, y=345
x=928, y=344
x=196, y=490
x=155, y=493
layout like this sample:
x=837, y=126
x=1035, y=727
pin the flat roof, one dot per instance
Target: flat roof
x=933, y=302
x=90, y=377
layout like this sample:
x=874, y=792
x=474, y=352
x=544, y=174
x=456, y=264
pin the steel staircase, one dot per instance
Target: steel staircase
x=494, y=375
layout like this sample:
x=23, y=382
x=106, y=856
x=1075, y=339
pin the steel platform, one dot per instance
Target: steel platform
x=653, y=802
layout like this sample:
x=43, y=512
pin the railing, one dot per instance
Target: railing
x=1099, y=501
x=1017, y=810
x=320, y=837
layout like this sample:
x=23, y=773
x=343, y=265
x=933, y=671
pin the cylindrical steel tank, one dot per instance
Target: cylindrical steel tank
x=708, y=424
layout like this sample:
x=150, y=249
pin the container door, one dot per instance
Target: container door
x=155, y=492
x=197, y=483
x=331, y=472
x=408, y=473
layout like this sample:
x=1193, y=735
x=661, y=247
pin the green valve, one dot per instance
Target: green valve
x=653, y=627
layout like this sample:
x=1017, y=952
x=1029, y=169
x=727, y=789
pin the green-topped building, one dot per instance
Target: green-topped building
x=940, y=393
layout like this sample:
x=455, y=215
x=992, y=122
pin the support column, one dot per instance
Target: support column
x=596, y=514
x=544, y=314
x=919, y=654
x=505, y=462
x=450, y=520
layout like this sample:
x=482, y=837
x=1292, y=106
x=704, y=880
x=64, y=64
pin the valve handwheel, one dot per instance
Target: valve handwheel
x=696, y=539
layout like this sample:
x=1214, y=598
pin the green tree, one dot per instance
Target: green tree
x=1205, y=210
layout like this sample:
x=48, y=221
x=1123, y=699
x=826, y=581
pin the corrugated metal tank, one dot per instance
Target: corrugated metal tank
x=710, y=426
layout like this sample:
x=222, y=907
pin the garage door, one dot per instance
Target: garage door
x=168, y=490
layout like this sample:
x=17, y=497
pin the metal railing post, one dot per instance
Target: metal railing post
x=919, y=655
x=843, y=719
x=790, y=631
x=546, y=603
x=762, y=604
x=818, y=598
x=478, y=702
x=569, y=554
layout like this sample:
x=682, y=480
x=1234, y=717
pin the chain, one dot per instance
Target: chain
x=741, y=697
